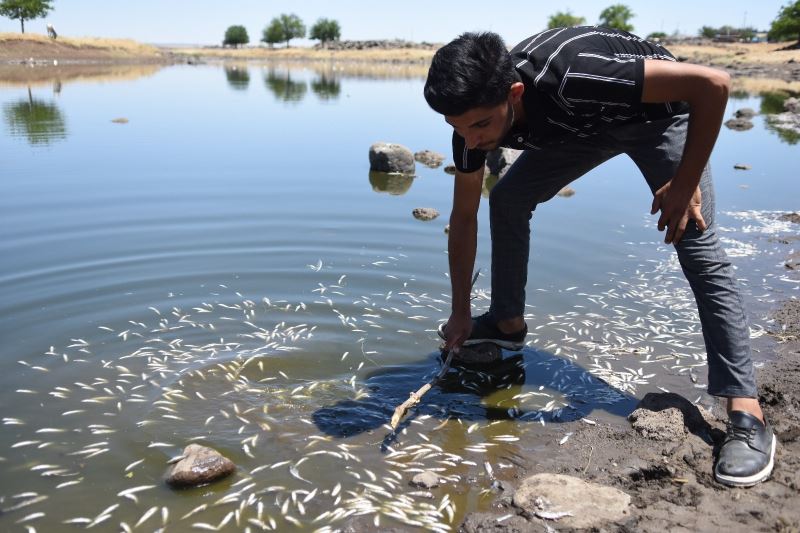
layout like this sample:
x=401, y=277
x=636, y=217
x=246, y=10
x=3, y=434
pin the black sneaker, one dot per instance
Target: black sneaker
x=747, y=453
x=484, y=329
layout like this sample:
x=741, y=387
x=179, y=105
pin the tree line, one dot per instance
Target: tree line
x=283, y=29
x=786, y=25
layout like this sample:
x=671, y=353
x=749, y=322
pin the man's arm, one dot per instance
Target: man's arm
x=461, y=247
x=706, y=91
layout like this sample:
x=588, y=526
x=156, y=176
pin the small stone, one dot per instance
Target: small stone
x=120, y=120
x=447, y=229
x=429, y=159
x=426, y=480
x=738, y=124
x=201, y=465
x=425, y=213
x=450, y=169
x=745, y=112
x=566, y=192
x=742, y=166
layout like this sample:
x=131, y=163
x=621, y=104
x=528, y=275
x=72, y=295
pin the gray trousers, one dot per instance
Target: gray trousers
x=656, y=148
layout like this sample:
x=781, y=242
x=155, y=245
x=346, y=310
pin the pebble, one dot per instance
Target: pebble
x=426, y=480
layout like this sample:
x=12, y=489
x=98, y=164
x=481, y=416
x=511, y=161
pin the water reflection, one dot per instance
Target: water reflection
x=326, y=87
x=284, y=87
x=25, y=76
x=394, y=184
x=40, y=121
x=238, y=77
x=772, y=103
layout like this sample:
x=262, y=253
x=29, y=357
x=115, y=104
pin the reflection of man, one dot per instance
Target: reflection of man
x=572, y=98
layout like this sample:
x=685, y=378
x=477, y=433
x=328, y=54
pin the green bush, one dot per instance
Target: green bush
x=787, y=24
x=617, y=16
x=235, y=36
x=325, y=30
x=25, y=9
x=283, y=29
x=563, y=19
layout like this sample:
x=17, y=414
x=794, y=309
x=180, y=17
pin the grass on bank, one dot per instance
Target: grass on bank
x=126, y=47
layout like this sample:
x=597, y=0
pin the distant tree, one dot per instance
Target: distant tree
x=25, y=9
x=708, y=32
x=617, y=16
x=657, y=36
x=273, y=33
x=325, y=30
x=787, y=24
x=235, y=36
x=747, y=34
x=563, y=19
x=293, y=27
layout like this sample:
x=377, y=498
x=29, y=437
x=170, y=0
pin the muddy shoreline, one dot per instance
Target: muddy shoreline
x=669, y=476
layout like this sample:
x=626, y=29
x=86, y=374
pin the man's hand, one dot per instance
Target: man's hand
x=677, y=206
x=457, y=330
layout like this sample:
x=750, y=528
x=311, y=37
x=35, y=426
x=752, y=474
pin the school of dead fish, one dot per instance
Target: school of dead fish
x=148, y=387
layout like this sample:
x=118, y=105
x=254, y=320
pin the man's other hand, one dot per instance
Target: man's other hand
x=677, y=207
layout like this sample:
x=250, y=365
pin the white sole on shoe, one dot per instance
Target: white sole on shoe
x=756, y=478
x=508, y=345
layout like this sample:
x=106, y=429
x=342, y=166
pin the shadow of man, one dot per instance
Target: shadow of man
x=475, y=393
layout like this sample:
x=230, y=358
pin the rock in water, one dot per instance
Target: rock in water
x=426, y=480
x=429, y=158
x=450, y=169
x=566, y=192
x=425, y=213
x=201, y=465
x=742, y=166
x=390, y=157
x=745, y=112
x=738, y=124
x=572, y=501
x=500, y=160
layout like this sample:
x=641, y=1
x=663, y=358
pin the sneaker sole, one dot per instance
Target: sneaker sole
x=508, y=345
x=749, y=481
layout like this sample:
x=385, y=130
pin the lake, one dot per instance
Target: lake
x=199, y=254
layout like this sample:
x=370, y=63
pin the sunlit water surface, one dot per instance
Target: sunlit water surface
x=219, y=267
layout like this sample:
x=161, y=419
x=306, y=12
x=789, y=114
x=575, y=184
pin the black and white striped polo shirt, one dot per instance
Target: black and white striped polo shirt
x=579, y=81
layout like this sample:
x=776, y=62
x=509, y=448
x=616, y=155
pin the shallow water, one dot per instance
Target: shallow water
x=222, y=269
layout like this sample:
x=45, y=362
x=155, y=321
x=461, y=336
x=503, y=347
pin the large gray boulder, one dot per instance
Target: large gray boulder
x=392, y=158
x=572, y=502
x=200, y=465
x=498, y=161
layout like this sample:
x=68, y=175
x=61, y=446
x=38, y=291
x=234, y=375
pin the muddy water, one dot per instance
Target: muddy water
x=221, y=269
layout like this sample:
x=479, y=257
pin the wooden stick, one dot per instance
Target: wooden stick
x=414, y=398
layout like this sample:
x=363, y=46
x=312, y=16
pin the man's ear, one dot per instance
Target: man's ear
x=516, y=92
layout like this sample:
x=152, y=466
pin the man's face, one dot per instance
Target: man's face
x=483, y=128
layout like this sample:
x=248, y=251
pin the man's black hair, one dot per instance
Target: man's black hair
x=474, y=70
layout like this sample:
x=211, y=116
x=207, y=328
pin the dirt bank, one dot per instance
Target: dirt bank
x=668, y=473
x=16, y=48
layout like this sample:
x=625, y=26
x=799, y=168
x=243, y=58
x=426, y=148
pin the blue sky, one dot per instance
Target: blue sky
x=205, y=21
